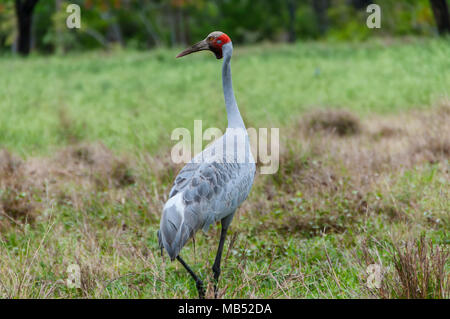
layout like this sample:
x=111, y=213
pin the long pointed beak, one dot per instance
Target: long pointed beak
x=200, y=46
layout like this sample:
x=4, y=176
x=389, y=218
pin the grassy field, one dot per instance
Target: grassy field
x=133, y=101
x=364, y=171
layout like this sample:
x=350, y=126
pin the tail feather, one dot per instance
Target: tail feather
x=178, y=224
x=160, y=242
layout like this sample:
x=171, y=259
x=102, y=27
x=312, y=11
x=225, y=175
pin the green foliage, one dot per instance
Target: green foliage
x=151, y=23
x=7, y=24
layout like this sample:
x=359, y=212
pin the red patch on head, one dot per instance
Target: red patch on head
x=221, y=40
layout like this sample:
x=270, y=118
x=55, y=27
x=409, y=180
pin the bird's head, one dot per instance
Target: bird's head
x=213, y=42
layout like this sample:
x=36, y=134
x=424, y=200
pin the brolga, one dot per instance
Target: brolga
x=216, y=181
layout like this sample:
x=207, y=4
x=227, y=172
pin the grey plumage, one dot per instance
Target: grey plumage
x=208, y=191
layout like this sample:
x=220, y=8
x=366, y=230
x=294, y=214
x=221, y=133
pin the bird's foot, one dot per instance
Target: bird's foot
x=200, y=289
x=216, y=271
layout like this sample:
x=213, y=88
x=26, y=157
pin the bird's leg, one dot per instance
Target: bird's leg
x=198, y=282
x=216, y=266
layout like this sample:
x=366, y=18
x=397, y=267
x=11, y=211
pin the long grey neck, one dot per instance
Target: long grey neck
x=234, y=117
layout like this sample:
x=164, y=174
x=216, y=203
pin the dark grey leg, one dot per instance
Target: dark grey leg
x=198, y=282
x=216, y=266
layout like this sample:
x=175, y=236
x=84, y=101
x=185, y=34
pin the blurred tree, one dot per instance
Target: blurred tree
x=320, y=8
x=441, y=15
x=150, y=23
x=24, y=13
x=144, y=24
x=361, y=4
x=8, y=33
x=292, y=6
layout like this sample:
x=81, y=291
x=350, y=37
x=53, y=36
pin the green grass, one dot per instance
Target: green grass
x=133, y=100
x=337, y=204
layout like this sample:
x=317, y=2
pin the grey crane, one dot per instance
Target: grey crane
x=216, y=181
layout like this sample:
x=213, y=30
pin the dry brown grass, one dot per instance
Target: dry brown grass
x=418, y=269
x=327, y=181
x=30, y=186
x=16, y=202
x=339, y=122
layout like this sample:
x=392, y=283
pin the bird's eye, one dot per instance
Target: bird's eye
x=210, y=38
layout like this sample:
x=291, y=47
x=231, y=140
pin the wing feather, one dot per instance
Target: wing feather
x=202, y=194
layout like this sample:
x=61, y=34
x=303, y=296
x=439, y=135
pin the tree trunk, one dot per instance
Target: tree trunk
x=24, y=13
x=173, y=26
x=361, y=4
x=186, y=28
x=320, y=8
x=59, y=43
x=148, y=25
x=291, y=27
x=179, y=24
x=441, y=15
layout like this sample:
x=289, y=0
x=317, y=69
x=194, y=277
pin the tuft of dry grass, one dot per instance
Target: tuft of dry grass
x=339, y=122
x=417, y=270
x=16, y=202
x=420, y=268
